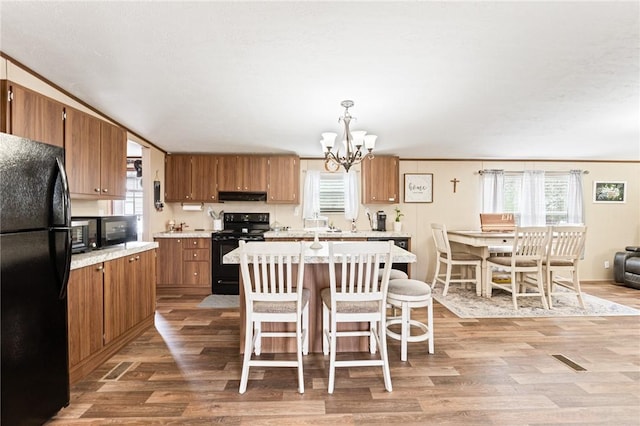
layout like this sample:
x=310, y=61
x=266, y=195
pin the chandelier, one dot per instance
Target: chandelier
x=353, y=142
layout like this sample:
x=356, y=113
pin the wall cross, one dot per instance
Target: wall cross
x=455, y=183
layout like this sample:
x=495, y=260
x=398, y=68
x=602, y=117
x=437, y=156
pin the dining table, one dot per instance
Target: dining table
x=482, y=243
x=316, y=277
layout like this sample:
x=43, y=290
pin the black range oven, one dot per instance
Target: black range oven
x=225, y=278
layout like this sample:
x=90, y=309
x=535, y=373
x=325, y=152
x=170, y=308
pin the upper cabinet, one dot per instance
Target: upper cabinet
x=177, y=172
x=283, y=179
x=96, y=157
x=191, y=178
x=204, y=178
x=31, y=115
x=242, y=173
x=380, y=180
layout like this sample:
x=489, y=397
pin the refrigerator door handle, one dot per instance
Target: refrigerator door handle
x=66, y=201
x=66, y=197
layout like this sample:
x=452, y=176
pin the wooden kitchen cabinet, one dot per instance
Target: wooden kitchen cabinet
x=31, y=115
x=184, y=264
x=283, y=179
x=242, y=173
x=109, y=304
x=204, y=178
x=169, y=262
x=129, y=293
x=177, y=173
x=85, y=313
x=96, y=157
x=380, y=180
x=191, y=178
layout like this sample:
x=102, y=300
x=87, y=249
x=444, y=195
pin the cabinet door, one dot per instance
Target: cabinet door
x=197, y=274
x=284, y=179
x=177, y=173
x=230, y=173
x=254, y=177
x=204, y=178
x=169, y=261
x=85, y=312
x=118, y=313
x=129, y=294
x=143, y=282
x=113, y=161
x=380, y=180
x=82, y=153
x=32, y=115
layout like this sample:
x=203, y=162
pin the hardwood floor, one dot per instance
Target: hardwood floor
x=186, y=371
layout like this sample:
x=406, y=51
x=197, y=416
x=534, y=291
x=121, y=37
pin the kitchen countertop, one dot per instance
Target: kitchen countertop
x=301, y=233
x=292, y=233
x=121, y=250
x=399, y=255
x=205, y=233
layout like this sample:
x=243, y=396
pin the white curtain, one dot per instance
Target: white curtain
x=311, y=196
x=351, y=199
x=492, y=191
x=575, y=202
x=532, y=201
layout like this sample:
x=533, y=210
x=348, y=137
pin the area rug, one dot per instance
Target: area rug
x=218, y=301
x=465, y=304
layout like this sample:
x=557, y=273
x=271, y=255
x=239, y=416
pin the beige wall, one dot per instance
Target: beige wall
x=611, y=226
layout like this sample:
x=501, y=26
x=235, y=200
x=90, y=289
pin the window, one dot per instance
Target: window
x=556, y=186
x=331, y=193
x=133, y=203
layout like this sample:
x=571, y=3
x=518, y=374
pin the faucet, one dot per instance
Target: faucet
x=354, y=228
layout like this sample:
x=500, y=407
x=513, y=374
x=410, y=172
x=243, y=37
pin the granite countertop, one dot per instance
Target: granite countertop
x=200, y=233
x=399, y=255
x=302, y=233
x=121, y=250
x=292, y=233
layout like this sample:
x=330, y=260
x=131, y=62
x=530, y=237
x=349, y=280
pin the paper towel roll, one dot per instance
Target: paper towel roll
x=192, y=207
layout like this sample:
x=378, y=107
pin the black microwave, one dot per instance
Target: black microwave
x=105, y=231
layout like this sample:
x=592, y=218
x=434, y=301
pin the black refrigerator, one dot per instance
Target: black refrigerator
x=35, y=257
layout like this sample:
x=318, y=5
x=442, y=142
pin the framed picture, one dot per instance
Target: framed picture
x=418, y=187
x=609, y=191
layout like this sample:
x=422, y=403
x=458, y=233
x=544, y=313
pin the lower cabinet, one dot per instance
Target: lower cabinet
x=184, y=264
x=85, y=302
x=108, y=305
x=129, y=293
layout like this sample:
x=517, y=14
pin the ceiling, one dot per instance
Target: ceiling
x=440, y=80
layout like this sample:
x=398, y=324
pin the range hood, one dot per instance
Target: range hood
x=241, y=196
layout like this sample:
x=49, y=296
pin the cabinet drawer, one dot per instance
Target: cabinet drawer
x=196, y=255
x=196, y=273
x=196, y=243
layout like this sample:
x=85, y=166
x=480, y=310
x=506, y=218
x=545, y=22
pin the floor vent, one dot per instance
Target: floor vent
x=117, y=371
x=563, y=359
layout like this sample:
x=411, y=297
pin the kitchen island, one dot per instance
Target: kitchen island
x=316, y=277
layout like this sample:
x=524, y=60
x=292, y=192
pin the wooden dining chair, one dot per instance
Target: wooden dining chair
x=454, y=259
x=561, y=264
x=355, y=294
x=272, y=276
x=524, y=265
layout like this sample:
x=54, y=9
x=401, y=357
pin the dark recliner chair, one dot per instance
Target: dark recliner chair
x=626, y=267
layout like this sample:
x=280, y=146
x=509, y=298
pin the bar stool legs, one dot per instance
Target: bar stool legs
x=407, y=294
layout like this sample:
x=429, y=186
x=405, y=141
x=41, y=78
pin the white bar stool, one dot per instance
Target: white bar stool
x=406, y=294
x=394, y=274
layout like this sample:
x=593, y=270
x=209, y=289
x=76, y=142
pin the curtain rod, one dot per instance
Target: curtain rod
x=481, y=172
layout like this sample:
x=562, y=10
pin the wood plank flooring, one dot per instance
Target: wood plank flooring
x=186, y=371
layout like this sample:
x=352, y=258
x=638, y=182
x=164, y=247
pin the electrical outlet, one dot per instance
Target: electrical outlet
x=606, y=264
